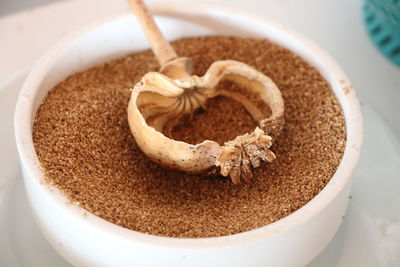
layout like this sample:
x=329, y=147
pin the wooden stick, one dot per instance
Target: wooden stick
x=161, y=47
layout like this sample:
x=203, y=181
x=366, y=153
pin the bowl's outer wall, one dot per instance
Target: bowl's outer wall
x=84, y=239
x=80, y=243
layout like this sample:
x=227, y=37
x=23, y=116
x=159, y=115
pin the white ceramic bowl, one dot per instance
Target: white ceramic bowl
x=85, y=239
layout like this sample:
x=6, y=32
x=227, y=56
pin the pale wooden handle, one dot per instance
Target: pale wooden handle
x=161, y=47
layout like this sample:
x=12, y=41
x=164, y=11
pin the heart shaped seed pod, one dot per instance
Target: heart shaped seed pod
x=158, y=103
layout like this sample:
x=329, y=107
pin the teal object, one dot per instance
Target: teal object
x=382, y=20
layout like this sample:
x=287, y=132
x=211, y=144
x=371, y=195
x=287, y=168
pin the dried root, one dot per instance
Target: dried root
x=243, y=153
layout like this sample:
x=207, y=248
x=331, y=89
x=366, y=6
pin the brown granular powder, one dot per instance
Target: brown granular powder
x=85, y=147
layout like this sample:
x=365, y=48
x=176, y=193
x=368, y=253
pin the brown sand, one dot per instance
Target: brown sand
x=85, y=147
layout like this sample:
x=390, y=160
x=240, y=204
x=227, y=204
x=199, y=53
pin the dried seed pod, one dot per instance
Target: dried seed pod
x=159, y=102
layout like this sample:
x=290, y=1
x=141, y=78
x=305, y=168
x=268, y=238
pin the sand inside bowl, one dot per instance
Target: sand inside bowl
x=85, y=147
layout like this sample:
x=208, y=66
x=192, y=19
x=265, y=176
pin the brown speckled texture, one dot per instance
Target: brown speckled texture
x=83, y=141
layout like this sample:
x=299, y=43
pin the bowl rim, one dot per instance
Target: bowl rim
x=348, y=101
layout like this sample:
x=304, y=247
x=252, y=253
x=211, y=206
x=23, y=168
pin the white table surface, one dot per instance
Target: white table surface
x=335, y=25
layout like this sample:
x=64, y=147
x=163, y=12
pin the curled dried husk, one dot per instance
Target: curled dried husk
x=158, y=103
